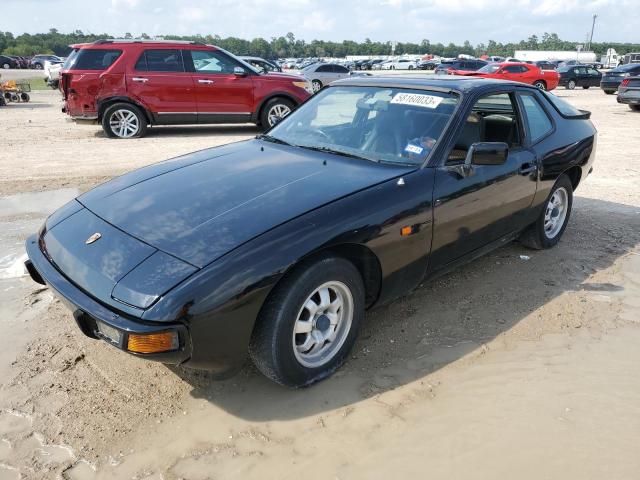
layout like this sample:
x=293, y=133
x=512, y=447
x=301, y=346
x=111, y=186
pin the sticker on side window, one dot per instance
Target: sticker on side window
x=417, y=100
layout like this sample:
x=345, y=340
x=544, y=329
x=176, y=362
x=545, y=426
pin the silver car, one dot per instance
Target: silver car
x=321, y=74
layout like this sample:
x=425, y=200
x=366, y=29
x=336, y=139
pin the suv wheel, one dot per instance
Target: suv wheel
x=309, y=323
x=274, y=111
x=123, y=120
x=553, y=219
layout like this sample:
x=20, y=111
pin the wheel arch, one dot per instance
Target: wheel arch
x=105, y=103
x=575, y=175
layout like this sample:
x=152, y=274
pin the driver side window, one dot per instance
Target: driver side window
x=493, y=118
x=206, y=61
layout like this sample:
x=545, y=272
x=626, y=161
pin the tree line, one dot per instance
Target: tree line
x=289, y=46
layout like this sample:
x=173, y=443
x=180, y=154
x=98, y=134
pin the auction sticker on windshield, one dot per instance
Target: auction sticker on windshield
x=417, y=100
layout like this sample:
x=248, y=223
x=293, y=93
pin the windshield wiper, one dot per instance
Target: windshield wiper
x=269, y=138
x=336, y=152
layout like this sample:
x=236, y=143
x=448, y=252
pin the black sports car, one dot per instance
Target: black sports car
x=277, y=245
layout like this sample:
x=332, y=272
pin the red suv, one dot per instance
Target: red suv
x=128, y=85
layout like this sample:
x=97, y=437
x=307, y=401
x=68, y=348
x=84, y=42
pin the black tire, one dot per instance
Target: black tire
x=316, y=85
x=535, y=236
x=24, y=97
x=410, y=67
x=38, y=66
x=540, y=84
x=272, y=342
x=586, y=87
x=274, y=103
x=128, y=107
x=635, y=108
x=3, y=102
x=571, y=84
x=609, y=92
x=6, y=66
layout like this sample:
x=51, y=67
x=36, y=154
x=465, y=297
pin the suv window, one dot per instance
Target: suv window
x=160, y=61
x=208, y=61
x=92, y=59
x=537, y=119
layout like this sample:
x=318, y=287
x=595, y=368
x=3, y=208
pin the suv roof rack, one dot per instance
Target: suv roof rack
x=140, y=40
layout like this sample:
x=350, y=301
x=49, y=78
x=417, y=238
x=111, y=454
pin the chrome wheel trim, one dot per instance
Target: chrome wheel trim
x=323, y=324
x=124, y=123
x=316, y=85
x=555, y=213
x=277, y=113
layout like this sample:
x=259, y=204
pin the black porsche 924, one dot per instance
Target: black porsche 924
x=278, y=245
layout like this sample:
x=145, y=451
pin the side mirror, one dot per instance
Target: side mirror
x=487, y=153
x=239, y=71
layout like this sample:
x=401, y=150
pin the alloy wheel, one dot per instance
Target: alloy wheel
x=277, y=113
x=323, y=324
x=124, y=123
x=540, y=85
x=571, y=85
x=556, y=212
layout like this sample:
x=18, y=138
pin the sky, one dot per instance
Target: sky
x=400, y=20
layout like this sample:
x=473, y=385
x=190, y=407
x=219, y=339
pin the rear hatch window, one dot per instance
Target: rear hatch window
x=91, y=59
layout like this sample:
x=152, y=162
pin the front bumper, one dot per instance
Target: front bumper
x=88, y=313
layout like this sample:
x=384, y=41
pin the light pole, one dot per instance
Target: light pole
x=593, y=26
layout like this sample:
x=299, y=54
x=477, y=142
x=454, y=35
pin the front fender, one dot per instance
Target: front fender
x=220, y=303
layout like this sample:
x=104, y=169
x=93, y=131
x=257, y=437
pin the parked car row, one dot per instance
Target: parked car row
x=37, y=61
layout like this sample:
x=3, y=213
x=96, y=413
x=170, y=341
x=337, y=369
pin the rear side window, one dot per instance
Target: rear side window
x=537, y=119
x=92, y=59
x=160, y=61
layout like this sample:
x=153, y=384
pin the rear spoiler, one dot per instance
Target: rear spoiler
x=586, y=115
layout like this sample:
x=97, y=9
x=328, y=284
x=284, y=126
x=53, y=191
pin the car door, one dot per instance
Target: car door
x=160, y=81
x=517, y=73
x=594, y=77
x=340, y=72
x=493, y=201
x=223, y=86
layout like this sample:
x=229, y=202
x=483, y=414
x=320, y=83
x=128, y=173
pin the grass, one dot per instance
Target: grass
x=36, y=83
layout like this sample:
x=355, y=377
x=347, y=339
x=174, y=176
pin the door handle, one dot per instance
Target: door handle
x=208, y=82
x=528, y=168
x=140, y=79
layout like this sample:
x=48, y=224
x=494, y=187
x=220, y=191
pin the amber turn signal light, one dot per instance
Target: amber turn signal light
x=406, y=231
x=153, y=343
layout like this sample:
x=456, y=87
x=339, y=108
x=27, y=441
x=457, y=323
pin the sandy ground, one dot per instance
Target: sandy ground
x=506, y=368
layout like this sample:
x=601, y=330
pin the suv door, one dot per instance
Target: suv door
x=493, y=201
x=222, y=94
x=160, y=82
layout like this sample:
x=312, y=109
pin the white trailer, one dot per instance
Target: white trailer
x=540, y=55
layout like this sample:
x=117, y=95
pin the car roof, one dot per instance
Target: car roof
x=457, y=83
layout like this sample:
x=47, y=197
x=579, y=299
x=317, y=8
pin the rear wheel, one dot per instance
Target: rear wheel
x=124, y=120
x=274, y=111
x=635, y=107
x=540, y=84
x=609, y=92
x=571, y=84
x=308, y=325
x=586, y=87
x=552, y=222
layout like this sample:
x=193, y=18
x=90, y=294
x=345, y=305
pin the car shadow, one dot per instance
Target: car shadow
x=231, y=130
x=443, y=320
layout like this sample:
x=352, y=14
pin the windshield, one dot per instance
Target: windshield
x=491, y=68
x=381, y=124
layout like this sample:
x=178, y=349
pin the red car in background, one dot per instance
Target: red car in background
x=517, y=72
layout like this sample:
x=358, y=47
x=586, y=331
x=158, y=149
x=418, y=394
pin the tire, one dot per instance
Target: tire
x=37, y=66
x=316, y=85
x=3, y=102
x=609, y=92
x=410, y=67
x=540, y=84
x=274, y=111
x=544, y=232
x=6, y=66
x=586, y=87
x=278, y=352
x=24, y=97
x=635, y=108
x=571, y=84
x=116, y=118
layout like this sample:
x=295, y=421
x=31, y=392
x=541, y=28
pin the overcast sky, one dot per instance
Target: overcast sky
x=401, y=20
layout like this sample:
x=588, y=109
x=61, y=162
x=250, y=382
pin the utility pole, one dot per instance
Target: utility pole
x=593, y=26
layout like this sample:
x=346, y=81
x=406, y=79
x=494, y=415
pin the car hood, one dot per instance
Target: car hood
x=200, y=206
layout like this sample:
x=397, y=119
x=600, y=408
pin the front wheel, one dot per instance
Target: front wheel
x=274, y=111
x=586, y=87
x=124, y=120
x=309, y=323
x=552, y=222
x=6, y=66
